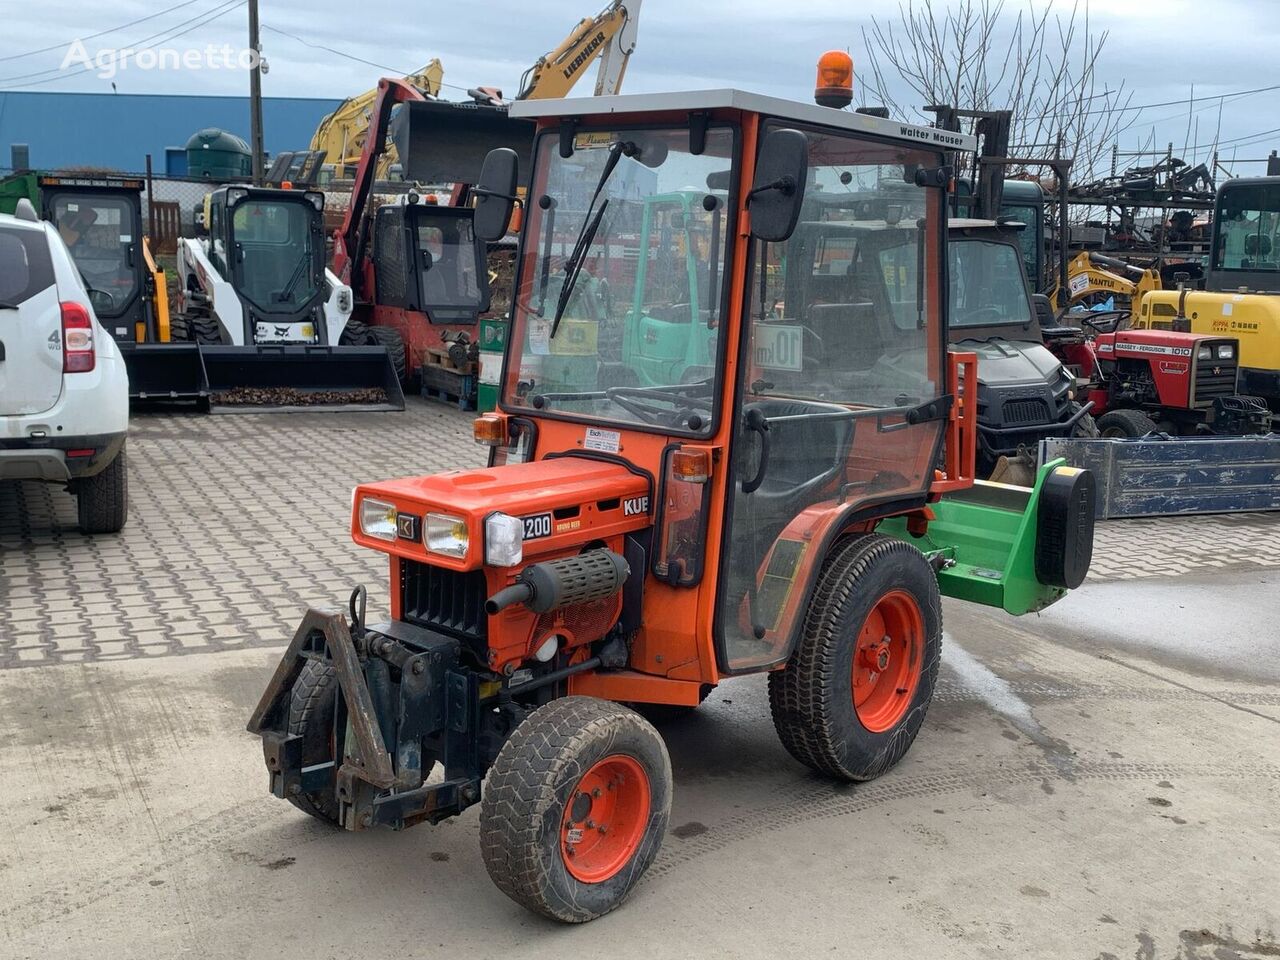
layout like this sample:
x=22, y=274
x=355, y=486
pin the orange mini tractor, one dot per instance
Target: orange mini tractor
x=797, y=505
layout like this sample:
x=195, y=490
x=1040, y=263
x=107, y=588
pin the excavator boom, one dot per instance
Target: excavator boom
x=610, y=35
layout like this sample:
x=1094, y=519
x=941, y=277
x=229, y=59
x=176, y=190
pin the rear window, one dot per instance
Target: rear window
x=25, y=266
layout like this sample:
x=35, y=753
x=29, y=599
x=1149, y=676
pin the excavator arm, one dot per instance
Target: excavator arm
x=609, y=35
x=350, y=240
x=1092, y=273
x=343, y=133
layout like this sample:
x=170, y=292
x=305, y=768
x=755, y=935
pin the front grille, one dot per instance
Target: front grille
x=1214, y=378
x=1018, y=412
x=443, y=600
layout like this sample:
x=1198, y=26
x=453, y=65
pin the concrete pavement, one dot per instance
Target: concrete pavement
x=1101, y=780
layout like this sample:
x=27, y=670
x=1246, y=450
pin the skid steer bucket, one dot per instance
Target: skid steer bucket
x=165, y=371
x=441, y=142
x=285, y=378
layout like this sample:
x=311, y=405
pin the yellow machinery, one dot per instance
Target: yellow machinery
x=609, y=35
x=1091, y=274
x=341, y=134
x=1242, y=285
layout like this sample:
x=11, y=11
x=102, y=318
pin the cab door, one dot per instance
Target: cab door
x=103, y=232
x=841, y=410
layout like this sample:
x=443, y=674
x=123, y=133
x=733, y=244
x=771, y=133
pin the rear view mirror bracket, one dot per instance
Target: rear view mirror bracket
x=568, y=130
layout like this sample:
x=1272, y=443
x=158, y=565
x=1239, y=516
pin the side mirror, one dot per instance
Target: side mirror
x=495, y=194
x=1044, y=310
x=781, y=170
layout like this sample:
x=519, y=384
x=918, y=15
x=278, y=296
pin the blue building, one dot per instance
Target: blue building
x=117, y=131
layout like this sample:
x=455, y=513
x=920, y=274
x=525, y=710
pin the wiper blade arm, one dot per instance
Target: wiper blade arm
x=574, y=267
x=589, y=227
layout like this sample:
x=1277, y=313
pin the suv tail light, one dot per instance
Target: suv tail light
x=77, y=339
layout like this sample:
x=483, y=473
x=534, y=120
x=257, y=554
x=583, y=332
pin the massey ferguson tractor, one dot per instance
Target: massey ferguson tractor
x=797, y=509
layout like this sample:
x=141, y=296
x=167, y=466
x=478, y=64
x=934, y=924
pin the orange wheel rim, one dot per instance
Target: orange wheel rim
x=887, y=660
x=605, y=819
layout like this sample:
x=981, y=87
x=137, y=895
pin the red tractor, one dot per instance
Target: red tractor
x=1165, y=381
x=798, y=507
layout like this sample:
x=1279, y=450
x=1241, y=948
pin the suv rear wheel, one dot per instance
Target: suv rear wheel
x=103, y=499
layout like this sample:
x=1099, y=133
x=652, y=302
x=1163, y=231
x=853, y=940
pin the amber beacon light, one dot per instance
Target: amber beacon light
x=834, y=86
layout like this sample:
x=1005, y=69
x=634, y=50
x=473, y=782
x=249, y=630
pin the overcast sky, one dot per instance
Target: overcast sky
x=769, y=46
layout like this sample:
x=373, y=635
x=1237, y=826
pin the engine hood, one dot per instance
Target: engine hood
x=1012, y=362
x=562, y=500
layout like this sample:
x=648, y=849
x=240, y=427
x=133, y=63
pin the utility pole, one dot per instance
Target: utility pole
x=255, y=94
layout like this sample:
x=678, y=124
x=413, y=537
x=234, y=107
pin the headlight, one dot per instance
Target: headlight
x=1226, y=351
x=503, y=540
x=446, y=534
x=378, y=519
x=1204, y=353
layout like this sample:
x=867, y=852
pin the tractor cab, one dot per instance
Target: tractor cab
x=100, y=220
x=267, y=245
x=793, y=492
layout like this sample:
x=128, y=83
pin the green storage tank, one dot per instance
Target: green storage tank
x=13, y=189
x=218, y=155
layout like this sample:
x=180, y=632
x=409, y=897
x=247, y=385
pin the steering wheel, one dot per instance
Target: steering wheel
x=1107, y=325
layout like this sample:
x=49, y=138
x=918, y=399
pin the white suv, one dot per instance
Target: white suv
x=64, y=393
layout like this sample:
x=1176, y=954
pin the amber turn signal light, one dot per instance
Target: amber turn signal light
x=490, y=430
x=834, y=86
x=691, y=466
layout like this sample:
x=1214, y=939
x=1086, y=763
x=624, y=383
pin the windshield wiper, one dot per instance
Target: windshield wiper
x=6, y=305
x=286, y=295
x=573, y=266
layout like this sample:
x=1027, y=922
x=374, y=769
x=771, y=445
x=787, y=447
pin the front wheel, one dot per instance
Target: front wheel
x=575, y=808
x=1126, y=423
x=853, y=695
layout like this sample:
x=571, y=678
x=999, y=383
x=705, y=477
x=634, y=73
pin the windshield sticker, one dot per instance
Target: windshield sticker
x=606, y=441
x=779, y=346
x=586, y=141
x=540, y=336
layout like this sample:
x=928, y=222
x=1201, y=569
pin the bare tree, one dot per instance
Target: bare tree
x=974, y=55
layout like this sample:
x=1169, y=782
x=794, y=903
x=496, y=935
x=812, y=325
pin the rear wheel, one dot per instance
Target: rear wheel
x=102, y=501
x=311, y=705
x=853, y=695
x=575, y=808
x=390, y=338
x=1126, y=423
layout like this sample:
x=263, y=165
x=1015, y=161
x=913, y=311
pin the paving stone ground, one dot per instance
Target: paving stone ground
x=238, y=523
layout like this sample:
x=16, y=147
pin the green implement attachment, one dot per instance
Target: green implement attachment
x=1017, y=548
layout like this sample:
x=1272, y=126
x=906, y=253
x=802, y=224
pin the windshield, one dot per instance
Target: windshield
x=626, y=241
x=987, y=284
x=98, y=232
x=1248, y=220
x=276, y=253
x=447, y=260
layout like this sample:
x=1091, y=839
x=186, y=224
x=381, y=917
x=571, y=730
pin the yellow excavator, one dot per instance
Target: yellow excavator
x=341, y=134
x=1091, y=274
x=609, y=36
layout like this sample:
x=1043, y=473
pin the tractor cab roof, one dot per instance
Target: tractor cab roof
x=644, y=105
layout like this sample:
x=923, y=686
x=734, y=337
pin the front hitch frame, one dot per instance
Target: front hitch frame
x=405, y=697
